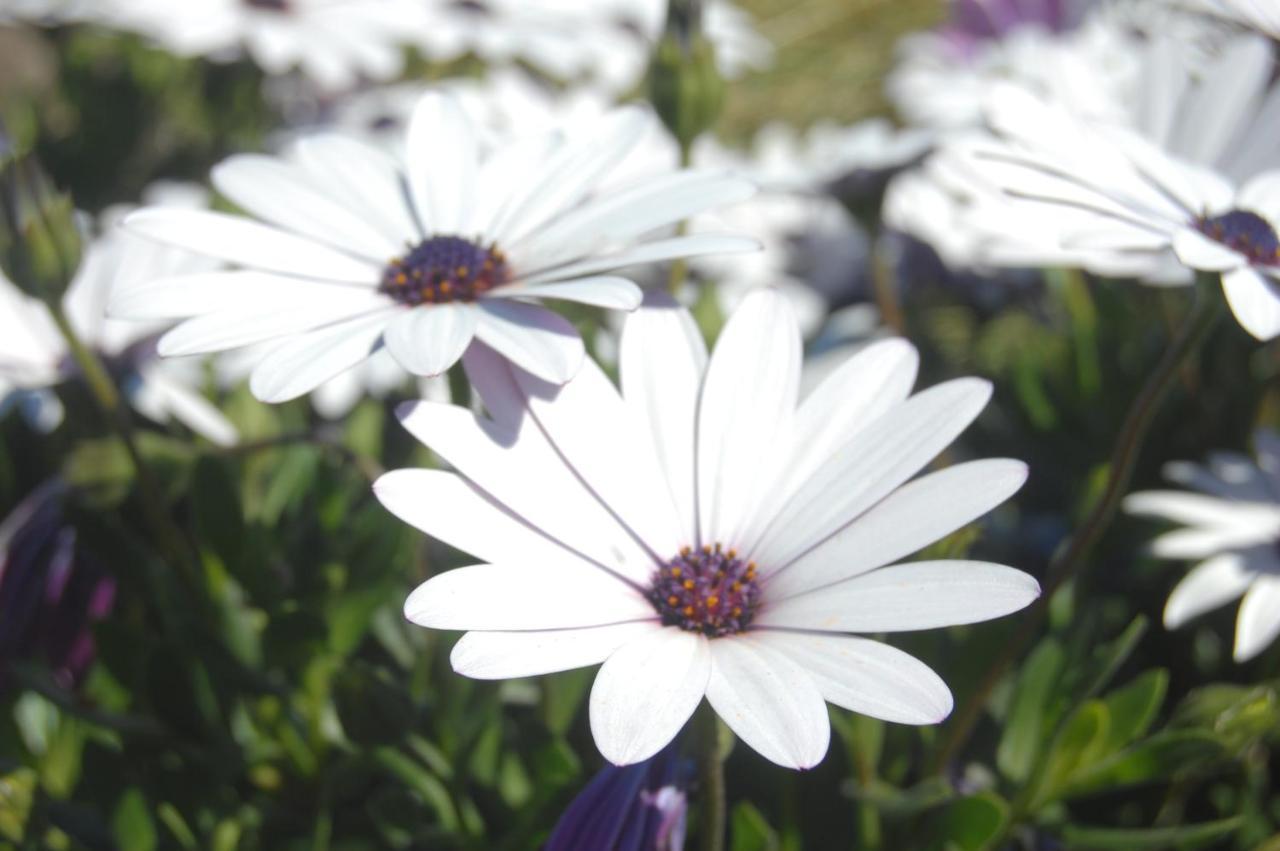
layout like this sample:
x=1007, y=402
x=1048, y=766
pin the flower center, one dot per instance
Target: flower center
x=710, y=591
x=443, y=269
x=1244, y=232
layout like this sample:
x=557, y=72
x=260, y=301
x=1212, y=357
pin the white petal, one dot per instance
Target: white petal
x=864, y=387
x=769, y=701
x=1260, y=519
x=304, y=363
x=747, y=405
x=692, y=245
x=503, y=655
x=441, y=151
x=662, y=358
x=909, y=519
x=248, y=243
x=1259, y=620
x=903, y=597
x=600, y=291
x=176, y=296
x=516, y=466
x=868, y=467
x=1200, y=252
x=1209, y=584
x=592, y=431
x=1255, y=301
x=429, y=339
x=646, y=691
x=868, y=677
x=448, y=507
x=538, y=341
x=282, y=195
x=521, y=596
x=248, y=324
x=188, y=406
x=365, y=179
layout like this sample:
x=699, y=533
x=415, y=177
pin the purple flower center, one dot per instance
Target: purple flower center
x=444, y=269
x=272, y=5
x=1246, y=233
x=710, y=591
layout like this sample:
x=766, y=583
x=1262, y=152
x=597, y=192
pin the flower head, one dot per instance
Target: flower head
x=357, y=251
x=705, y=533
x=1232, y=525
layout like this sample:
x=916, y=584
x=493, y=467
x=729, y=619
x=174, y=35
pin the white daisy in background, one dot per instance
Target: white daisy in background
x=34, y=358
x=357, y=251
x=1261, y=15
x=335, y=43
x=706, y=533
x=1233, y=526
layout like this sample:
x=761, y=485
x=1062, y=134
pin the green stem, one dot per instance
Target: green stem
x=711, y=769
x=107, y=396
x=1203, y=315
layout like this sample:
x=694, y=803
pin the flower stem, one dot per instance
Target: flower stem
x=1203, y=315
x=711, y=769
x=107, y=396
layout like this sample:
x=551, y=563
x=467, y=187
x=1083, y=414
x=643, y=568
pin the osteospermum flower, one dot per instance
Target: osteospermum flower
x=356, y=251
x=1232, y=526
x=703, y=534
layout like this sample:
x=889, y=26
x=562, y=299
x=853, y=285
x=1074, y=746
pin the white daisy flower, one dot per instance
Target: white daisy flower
x=333, y=42
x=356, y=251
x=1232, y=525
x=34, y=357
x=704, y=532
x=1261, y=15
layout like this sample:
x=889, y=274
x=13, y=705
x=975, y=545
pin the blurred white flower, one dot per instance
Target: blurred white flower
x=335, y=43
x=1261, y=15
x=1233, y=526
x=357, y=250
x=702, y=533
x=34, y=357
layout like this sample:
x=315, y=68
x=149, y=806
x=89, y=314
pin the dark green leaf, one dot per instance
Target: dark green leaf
x=1025, y=727
x=974, y=823
x=1182, y=837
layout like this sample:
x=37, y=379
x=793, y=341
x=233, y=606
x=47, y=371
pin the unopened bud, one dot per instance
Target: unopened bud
x=684, y=82
x=39, y=237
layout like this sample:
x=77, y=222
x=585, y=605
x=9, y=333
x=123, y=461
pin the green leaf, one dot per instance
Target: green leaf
x=974, y=823
x=893, y=801
x=215, y=504
x=562, y=698
x=1182, y=837
x=17, y=794
x=1133, y=707
x=1111, y=656
x=373, y=709
x=1079, y=740
x=1025, y=728
x=131, y=824
x=749, y=831
x=1154, y=760
x=1237, y=715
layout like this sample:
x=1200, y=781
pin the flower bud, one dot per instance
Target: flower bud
x=684, y=82
x=40, y=243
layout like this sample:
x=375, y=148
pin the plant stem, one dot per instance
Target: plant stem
x=105, y=393
x=711, y=769
x=1206, y=309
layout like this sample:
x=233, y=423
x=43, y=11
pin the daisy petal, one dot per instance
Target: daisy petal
x=427, y=340
x=441, y=152
x=188, y=406
x=769, y=701
x=748, y=394
x=451, y=509
x=693, y=245
x=503, y=655
x=905, y=597
x=603, y=291
x=867, y=677
x=909, y=519
x=231, y=329
x=1198, y=251
x=646, y=691
x=538, y=341
x=867, y=468
x=1254, y=300
x=525, y=596
x=248, y=243
x=1257, y=624
x=1209, y=585
x=283, y=195
x=662, y=357
x=303, y=363
x=181, y=296
x=364, y=178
